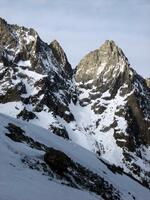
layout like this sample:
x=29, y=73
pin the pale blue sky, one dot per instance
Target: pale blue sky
x=82, y=26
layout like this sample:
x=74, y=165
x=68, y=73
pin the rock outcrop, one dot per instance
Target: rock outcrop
x=61, y=57
x=148, y=82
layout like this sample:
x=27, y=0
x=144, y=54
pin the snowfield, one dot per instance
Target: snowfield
x=17, y=180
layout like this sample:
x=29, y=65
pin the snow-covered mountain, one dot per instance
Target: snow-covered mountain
x=116, y=101
x=100, y=110
x=35, y=78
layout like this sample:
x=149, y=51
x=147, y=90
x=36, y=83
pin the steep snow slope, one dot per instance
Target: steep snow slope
x=17, y=181
x=18, y=178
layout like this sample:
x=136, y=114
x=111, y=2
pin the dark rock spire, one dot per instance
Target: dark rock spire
x=61, y=57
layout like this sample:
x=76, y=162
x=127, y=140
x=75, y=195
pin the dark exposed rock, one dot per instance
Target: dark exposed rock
x=84, y=102
x=13, y=93
x=18, y=135
x=98, y=109
x=61, y=57
x=26, y=115
x=137, y=123
x=64, y=166
x=60, y=131
x=63, y=112
x=58, y=161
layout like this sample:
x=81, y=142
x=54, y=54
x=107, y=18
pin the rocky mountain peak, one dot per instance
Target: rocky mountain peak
x=61, y=56
x=109, y=51
x=109, y=46
x=33, y=72
x=17, y=42
x=23, y=46
x=109, y=59
x=55, y=44
x=7, y=38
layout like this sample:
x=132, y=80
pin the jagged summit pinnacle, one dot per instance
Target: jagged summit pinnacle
x=111, y=51
x=61, y=56
x=110, y=43
x=14, y=37
x=109, y=46
x=55, y=42
x=24, y=44
x=108, y=57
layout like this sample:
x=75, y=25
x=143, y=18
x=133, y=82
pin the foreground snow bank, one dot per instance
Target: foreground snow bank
x=17, y=181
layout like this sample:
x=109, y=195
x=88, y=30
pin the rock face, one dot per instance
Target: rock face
x=58, y=161
x=61, y=57
x=148, y=82
x=104, y=106
x=93, y=64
